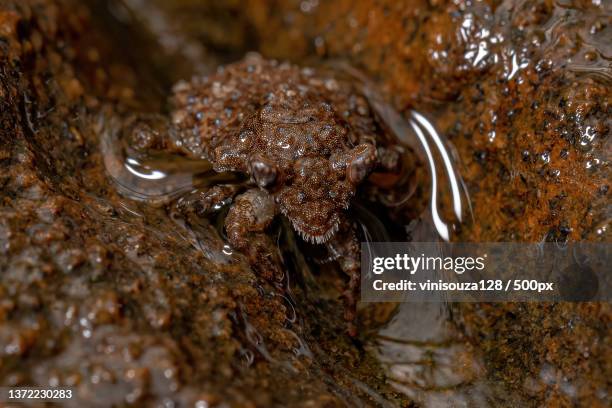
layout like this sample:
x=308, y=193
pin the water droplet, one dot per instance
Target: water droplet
x=526, y=155
x=590, y=56
x=587, y=138
x=245, y=135
x=592, y=164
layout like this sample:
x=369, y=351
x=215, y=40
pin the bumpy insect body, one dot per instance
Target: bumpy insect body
x=305, y=141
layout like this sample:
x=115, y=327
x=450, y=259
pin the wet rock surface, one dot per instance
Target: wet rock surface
x=110, y=295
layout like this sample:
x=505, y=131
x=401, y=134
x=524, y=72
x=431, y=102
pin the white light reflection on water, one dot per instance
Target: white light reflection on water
x=451, y=172
x=143, y=172
x=418, y=133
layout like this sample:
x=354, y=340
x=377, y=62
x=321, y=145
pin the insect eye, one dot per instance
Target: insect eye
x=264, y=173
